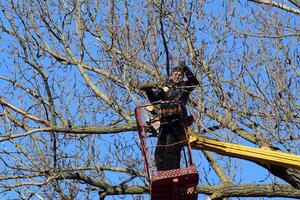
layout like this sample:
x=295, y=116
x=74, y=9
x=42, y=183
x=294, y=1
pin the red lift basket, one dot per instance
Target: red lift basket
x=174, y=184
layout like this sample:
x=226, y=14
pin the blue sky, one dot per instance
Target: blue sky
x=204, y=33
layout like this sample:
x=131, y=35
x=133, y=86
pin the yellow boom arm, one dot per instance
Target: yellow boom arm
x=262, y=155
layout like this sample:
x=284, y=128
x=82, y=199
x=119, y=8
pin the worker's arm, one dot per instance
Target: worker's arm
x=192, y=80
x=153, y=93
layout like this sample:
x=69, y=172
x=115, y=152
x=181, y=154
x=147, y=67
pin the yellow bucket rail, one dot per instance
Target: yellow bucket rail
x=265, y=156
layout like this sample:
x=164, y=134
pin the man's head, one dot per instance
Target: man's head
x=177, y=74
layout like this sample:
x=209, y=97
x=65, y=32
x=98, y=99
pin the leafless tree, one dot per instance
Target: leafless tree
x=70, y=73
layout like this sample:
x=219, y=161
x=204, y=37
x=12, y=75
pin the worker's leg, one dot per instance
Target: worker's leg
x=160, y=151
x=174, y=145
x=172, y=156
x=168, y=149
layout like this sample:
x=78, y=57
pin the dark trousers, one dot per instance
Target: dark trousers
x=168, y=149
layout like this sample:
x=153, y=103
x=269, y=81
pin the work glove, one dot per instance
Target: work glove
x=181, y=63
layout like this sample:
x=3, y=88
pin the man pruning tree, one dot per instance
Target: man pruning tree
x=174, y=97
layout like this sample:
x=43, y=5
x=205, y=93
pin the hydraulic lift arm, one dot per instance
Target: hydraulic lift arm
x=266, y=156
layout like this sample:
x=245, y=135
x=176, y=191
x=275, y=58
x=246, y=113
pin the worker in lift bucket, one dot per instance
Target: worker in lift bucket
x=173, y=113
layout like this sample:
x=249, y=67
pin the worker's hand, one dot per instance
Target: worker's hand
x=181, y=63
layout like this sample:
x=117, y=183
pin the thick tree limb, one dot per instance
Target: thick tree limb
x=217, y=168
x=279, y=5
x=94, y=129
x=75, y=130
x=249, y=190
x=295, y=2
x=291, y=176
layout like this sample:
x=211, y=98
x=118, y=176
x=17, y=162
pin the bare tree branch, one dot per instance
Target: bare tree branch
x=279, y=5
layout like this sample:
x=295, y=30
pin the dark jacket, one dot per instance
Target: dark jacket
x=174, y=92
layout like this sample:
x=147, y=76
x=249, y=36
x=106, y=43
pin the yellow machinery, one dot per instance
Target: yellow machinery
x=263, y=155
